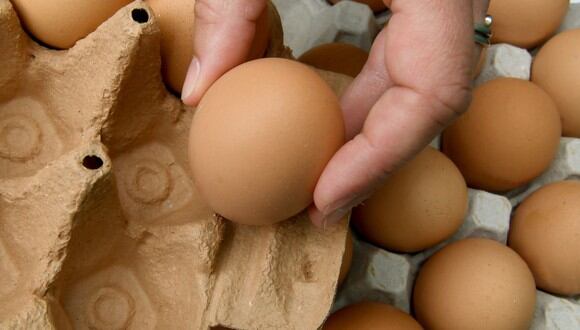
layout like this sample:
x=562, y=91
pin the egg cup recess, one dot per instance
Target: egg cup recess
x=127, y=242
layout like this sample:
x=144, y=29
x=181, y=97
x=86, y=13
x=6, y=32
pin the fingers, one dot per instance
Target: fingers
x=366, y=88
x=396, y=129
x=428, y=50
x=224, y=33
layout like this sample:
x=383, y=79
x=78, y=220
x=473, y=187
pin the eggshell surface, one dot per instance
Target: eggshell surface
x=509, y=135
x=526, y=24
x=556, y=69
x=260, y=139
x=61, y=23
x=370, y=316
x=545, y=232
x=177, y=24
x=336, y=57
x=420, y=205
x=475, y=284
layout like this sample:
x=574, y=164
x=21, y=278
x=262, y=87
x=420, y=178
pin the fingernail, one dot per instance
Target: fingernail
x=191, y=79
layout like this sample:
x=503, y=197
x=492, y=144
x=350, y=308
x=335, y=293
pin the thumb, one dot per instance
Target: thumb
x=224, y=37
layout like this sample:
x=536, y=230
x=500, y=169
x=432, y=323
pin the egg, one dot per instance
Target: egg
x=346, y=259
x=475, y=284
x=60, y=24
x=336, y=57
x=370, y=316
x=556, y=68
x=375, y=5
x=509, y=135
x=419, y=206
x=260, y=139
x=545, y=231
x=526, y=24
x=176, y=19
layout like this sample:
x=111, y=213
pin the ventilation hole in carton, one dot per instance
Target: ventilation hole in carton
x=92, y=162
x=140, y=15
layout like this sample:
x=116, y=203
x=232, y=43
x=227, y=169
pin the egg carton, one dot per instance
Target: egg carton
x=555, y=313
x=309, y=23
x=503, y=60
x=101, y=225
x=566, y=166
x=572, y=20
x=388, y=277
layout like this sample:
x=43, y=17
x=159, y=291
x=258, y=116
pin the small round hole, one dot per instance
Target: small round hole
x=140, y=15
x=92, y=162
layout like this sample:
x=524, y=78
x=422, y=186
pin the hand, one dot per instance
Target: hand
x=416, y=82
x=224, y=33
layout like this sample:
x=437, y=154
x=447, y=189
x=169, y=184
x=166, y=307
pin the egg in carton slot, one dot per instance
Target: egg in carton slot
x=101, y=225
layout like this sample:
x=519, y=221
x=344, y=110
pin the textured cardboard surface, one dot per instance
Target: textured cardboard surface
x=101, y=225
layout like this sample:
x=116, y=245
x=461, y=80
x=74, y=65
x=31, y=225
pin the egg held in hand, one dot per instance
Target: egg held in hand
x=260, y=139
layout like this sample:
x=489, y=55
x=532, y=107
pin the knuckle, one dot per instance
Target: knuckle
x=453, y=98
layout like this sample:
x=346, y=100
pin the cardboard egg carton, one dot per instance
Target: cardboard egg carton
x=101, y=225
x=309, y=23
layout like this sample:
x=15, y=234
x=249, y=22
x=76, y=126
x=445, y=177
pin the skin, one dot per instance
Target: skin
x=415, y=83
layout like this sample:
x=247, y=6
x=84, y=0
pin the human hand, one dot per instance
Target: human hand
x=225, y=37
x=416, y=82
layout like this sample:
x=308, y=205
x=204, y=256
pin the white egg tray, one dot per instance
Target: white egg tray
x=309, y=23
x=380, y=275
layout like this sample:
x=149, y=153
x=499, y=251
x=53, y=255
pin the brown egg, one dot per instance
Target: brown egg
x=336, y=57
x=526, y=24
x=475, y=284
x=421, y=204
x=176, y=20
x=260, y=139
x=346, y=259
x=375, y=5
x=60, y=24
x=556, y=69
x=370, y=316
x=545, y=231
x=509, y=135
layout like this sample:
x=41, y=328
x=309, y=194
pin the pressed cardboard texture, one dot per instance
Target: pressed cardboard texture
x=101, y=225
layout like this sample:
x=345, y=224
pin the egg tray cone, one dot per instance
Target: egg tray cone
x=101, y=226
